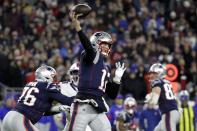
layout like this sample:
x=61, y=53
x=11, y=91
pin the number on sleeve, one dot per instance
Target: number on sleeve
x=168, y=92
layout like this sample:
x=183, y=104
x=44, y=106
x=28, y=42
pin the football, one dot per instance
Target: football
x=82, y=10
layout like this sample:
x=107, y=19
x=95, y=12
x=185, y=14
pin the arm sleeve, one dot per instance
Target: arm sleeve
x=50, y=113
x=61, y=98
x=90, y=52
x=55, y=94
x=112, y=89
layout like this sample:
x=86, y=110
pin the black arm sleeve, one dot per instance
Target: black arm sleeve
x=90, y=52
x=112, y=89
x=53, y=92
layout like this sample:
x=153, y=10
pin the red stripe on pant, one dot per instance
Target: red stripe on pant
x=167, y=121
x=27, y=124
x=74, y=114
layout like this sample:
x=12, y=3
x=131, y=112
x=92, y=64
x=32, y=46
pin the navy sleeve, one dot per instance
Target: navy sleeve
x=55, y=94
x=156, y=83
x=49, y=113
x=112, y=89
x=90, y=52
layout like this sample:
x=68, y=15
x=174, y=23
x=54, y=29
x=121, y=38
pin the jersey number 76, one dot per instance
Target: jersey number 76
x=29, y=99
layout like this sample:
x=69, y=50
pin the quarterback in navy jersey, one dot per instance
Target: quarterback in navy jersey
x=163, y=95
x=35, y=101
x=89, y=106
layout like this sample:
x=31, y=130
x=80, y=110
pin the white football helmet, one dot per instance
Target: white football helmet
x=73, y=73
x=99, y=38
x=130, y=105
x=159, y=69
x=45, y=73
x=184, y=95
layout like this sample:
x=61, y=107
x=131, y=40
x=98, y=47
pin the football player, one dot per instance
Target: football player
x=89, y=106
x=68, y=88
x=35, y=101
x=163, y=95
x=127, y=120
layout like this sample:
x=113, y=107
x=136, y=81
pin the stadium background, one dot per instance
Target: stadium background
x=35, y=32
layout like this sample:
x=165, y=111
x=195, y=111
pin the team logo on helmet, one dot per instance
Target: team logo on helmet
x=159, y=69
x=45, y=73
x=99, y=40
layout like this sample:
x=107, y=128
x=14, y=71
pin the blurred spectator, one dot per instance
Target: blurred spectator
x=115, y=109
x=149, y=118
x=133, y=82
x=9, y=102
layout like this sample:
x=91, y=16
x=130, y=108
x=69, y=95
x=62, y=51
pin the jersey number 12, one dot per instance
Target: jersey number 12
x=103, y=81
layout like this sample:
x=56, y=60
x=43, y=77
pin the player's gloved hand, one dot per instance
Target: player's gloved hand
x=60, y=108
x=148, y=98
x=64, y=108
x=119, y=72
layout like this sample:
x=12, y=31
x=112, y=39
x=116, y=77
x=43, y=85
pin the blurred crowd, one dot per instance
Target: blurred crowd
x=35, y=32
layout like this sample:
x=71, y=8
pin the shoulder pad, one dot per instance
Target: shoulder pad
x=43, y=85
x=53, y=88
x=155, y=83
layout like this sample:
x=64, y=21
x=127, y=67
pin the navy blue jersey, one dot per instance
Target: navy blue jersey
x=93, y=77
x=167, y=100
x=37, y=98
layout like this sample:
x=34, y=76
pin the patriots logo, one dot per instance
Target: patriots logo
x=98, y=34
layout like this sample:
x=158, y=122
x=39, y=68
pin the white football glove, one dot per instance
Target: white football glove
x=119, y=72
x=60, y=108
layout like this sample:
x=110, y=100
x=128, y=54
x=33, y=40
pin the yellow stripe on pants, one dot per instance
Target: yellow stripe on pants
x=187, y=120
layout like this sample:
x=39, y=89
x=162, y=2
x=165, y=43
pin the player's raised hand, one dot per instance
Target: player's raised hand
x=75, y=21
x=120, y=68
